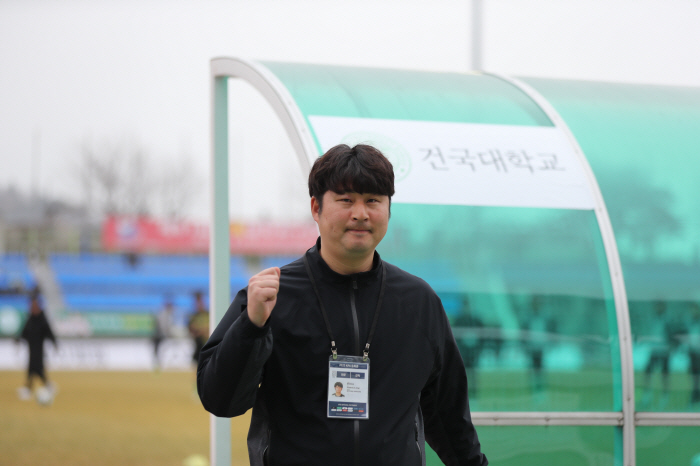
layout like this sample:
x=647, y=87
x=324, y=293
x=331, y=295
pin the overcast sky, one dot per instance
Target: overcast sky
x=105, y=72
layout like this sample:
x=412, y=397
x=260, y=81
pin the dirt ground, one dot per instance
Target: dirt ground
x=109, y=418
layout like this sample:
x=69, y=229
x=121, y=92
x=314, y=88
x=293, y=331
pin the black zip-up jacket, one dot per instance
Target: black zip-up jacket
x=36, y=330
x=418, y=385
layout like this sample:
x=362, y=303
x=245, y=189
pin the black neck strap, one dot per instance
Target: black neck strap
x=334, y=348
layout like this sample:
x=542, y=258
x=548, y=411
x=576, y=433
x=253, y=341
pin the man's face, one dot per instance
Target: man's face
x=338, y=389
x=351, y=224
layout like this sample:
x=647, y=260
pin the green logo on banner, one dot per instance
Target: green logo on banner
x=395, y=152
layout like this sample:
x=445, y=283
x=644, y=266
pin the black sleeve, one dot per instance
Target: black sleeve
x=448, y=425
x=231, y=362
x=48, y=331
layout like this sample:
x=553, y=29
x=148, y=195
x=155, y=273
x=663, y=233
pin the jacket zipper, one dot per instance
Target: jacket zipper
x=357, y=353
x=355, y=322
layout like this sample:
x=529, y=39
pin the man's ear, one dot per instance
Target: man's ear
x=315, y=208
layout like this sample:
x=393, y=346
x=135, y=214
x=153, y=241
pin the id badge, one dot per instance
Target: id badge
x=348, y=387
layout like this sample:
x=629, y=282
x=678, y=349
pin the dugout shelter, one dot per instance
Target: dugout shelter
x=556, y=219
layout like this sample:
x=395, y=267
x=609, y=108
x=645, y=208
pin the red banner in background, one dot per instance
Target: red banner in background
x=266, y=239
x=145, y=235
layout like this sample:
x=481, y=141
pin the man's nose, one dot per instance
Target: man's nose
x=359, y=211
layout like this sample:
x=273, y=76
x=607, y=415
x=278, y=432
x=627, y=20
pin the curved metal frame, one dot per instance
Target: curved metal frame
x=614, y=266
x=277, y=95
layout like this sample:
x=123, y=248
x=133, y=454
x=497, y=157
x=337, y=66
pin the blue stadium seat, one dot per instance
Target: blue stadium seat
x=15, y=273
x=110, y=283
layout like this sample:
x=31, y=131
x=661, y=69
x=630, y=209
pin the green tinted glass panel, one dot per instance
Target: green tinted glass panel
x=550, y=446
x=642, y=143
x=670, y=446
x=406, y=95
x=528, y=295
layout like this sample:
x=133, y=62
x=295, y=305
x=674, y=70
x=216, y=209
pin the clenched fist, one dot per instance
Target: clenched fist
x=262, y=295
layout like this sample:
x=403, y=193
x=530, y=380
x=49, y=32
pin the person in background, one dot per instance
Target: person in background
x=538, y=340
x=660, y=340
x=467, y=328
x=693, y=341
x=162, y=329
x=198, y=325
x=35, y=331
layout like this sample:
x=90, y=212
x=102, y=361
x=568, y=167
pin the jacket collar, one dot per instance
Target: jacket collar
x=324, y=272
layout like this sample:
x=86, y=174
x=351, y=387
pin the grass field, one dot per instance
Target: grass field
x=109, y=418
x=145, y=418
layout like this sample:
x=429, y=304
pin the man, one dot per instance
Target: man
x=468, y=328
x=163, y=328
x=660, y=340
x=198, y=325
x=36, y=329
x=693, y=340
x=537, y=340
x=342, y=312
x=338, y=387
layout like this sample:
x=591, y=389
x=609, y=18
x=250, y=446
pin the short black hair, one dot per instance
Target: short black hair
x=344, y=169
x=338, y=384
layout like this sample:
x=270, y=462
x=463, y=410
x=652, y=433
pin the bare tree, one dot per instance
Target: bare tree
x=122, y=179
x=99, y=179
x=178, y=189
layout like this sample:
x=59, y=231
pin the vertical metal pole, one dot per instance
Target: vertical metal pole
x=477, y=19
x=219, y=250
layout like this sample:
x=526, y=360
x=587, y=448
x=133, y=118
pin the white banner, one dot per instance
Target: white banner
x=469, y=164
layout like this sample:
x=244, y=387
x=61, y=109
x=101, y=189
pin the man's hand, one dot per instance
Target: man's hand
x=262, y=295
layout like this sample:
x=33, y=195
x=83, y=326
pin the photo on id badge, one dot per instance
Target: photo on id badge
x=348, y=388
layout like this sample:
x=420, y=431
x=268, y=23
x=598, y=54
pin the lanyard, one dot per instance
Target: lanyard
x=334, y=349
